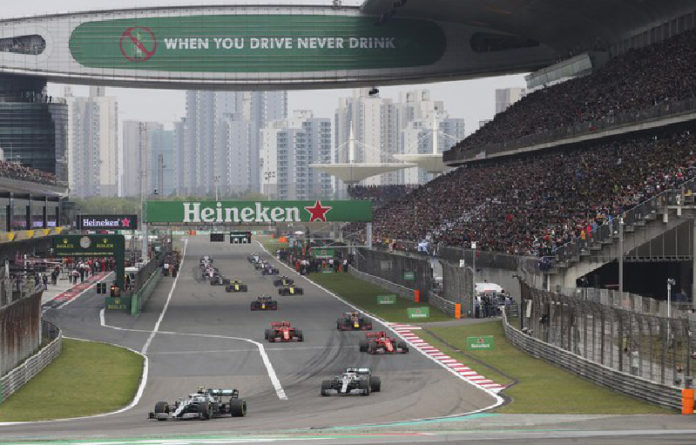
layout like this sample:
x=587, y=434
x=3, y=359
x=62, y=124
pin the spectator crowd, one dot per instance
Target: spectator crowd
x=16, y=170
x=534, y=203
x=632, y=82
x=380, y=195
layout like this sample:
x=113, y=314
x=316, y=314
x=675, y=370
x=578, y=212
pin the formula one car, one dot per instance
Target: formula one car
x=264, y=303
x=283, y=281
x=236, y=286
x=254, y=258
x=259, y=265
x=282, y=331
x=290, y=290
x=352, y=381
x=353, y=321
x=268, y=269
x=204, y=404
x=380, y=342
x=219, y=280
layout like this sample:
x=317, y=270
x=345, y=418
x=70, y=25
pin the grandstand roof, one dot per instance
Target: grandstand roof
x=563, y=25
x=351, y=173
x=430, y=162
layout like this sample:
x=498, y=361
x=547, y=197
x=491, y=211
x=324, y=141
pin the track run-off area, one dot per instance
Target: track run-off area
x=194, y=334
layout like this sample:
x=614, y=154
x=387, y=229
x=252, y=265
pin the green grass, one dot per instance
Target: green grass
x=542, y=388
x=364, y=294
x=87, y=378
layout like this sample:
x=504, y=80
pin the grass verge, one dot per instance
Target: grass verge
x=364, y=294
x=541, y=387
x=87, y=378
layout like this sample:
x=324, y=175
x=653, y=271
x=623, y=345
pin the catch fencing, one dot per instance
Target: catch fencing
x=457, y=285
x=20, y=331
x=654, y=348
x=409, y=271
x=21, y=374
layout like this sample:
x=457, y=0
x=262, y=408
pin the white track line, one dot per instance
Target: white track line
x=498, y=400
x=146, y=346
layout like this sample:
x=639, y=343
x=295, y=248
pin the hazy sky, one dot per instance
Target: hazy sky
x=473, y=99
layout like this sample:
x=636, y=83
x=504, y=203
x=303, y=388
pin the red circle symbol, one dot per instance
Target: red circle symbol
x=138, y=44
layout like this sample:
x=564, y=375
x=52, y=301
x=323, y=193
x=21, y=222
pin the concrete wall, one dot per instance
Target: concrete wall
x=20, y=331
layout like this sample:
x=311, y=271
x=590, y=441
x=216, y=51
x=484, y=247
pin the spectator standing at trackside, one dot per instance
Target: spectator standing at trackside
x=81, y=272
x=75, y=275
x=44, y=279
x=345, y=264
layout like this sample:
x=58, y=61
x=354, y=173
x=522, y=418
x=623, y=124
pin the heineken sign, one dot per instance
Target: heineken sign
x=484, y=342
x=256, y=43
x=256, y=212
x=107, y=222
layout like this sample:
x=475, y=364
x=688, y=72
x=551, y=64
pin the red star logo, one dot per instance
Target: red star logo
x=318, y=212
x=125, y=222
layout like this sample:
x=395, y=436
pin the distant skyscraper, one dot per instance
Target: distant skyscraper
x=137, y=158
x=507, y=96
x=287, y=148
x=93, y=145
x=162, y=157
x=221, y=145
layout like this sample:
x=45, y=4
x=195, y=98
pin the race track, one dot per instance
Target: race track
x=207, y=337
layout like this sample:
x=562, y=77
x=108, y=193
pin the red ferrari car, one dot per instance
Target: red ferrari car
x=380, y=342
x=282, y=331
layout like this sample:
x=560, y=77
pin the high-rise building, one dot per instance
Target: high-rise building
x=221, y=144
x=505, y=97
x=287, y=148
x=162, y=179
x=137, y=158
x=93, y=144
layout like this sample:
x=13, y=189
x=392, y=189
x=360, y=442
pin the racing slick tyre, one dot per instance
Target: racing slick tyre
x=243, y=288
x=238, y=408
x=273, y=306
x=403, y=346
x=254, y=306
x=338, y=324
x=267, y=334
x=299, y=291
x=365, y=387
x=300, y=335
x=363, y=345
x=375, y=384
x=205, y=411
x=372, y=347
x=161, y=408
x=325, y=388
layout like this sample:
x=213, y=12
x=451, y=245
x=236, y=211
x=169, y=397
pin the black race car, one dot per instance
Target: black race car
x=290, y=290
x=264, y=303
x=353, y=321
x=268, y=269
x=204, y=404
x=236, y=286
x=283, y=281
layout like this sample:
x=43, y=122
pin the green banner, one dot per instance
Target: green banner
x=386, y=299
x=257, y=212
x=93, y=246
x=409, y=276
x=486, y=342
x=418, y=312
x=257, y=43
x=323, y=252
x=117, y=303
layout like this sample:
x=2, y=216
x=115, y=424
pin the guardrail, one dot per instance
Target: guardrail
x=141, y=296
x=443, y=304
x=401, y=291
x=21, y=374
x=665, y=395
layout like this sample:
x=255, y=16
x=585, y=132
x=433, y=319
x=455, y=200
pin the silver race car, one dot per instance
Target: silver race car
x=204, y=404
x=352, y=381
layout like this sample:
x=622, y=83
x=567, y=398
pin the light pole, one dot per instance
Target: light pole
x=670, y=282
x=217, y=179
x=621, y=254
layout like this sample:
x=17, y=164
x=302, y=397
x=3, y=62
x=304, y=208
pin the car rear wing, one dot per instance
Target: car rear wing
x=279, y=324
x=234, y=393
x=379, y=334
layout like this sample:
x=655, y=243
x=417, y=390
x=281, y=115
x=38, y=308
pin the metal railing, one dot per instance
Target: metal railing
x=20, y=375
x=615, y=121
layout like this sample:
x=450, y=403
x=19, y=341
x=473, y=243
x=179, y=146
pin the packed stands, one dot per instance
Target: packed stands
x=633, y=82
x=15, y=170
x=532, y=204
x=380, y=195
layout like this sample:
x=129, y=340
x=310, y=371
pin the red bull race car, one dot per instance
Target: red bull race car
x=283, y=332
x=353, y=321
x=381, y=343
x=264, y=303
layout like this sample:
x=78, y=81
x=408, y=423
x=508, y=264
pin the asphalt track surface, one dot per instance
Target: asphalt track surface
x=209, y=337
x=193, y=348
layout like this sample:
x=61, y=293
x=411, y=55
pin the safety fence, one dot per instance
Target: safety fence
x=651, y=347
x=627, y=383
x=20, y=331
x=21, y=374
x=409, y=271
x=457, y=285
x=627, y=300
x=401, y=291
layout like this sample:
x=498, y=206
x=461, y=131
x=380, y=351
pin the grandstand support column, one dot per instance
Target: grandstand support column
x=368, y=235
x=693, y=263
x=621, y=254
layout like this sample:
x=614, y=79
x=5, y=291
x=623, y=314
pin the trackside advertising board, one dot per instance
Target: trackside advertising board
x=107, y=222
x=256, y=43
x=386, y=299
x=256, y=212
x=418, y=312
x=485, y=343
